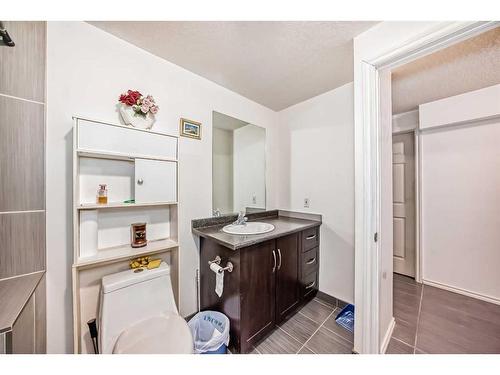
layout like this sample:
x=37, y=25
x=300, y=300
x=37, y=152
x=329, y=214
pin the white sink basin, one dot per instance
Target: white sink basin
x=253, y=227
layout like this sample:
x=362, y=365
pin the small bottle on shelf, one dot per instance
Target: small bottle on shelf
x=102, y=194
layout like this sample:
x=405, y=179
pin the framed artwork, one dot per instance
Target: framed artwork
x=190, y=129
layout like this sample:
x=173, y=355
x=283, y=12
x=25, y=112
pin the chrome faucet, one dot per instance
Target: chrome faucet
x=241, y=220
x=216, y=213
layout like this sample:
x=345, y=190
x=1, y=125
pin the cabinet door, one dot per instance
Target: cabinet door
x=287, y=277
x=258, y=271
x=155, y=181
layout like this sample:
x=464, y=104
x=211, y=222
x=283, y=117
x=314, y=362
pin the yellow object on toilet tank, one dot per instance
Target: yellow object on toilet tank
x=155, y=263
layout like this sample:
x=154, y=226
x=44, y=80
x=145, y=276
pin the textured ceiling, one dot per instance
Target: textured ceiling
x=470, y=65
x=276, y=64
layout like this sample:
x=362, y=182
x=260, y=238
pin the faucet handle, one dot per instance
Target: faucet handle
x=241, y=218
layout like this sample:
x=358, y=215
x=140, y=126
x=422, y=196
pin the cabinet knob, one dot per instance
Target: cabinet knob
x=140, y=181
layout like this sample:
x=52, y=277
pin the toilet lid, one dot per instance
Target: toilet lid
x=166, y=334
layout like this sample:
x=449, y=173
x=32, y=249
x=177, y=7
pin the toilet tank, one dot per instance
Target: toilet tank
x=129, y=297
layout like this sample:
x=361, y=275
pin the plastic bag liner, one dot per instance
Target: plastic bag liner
x=346, y=318
x=210, y=330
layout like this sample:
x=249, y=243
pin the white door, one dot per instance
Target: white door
x=403, y=179
x=155, y=181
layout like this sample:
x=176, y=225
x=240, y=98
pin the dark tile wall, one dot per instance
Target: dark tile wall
x=22, y=149
x=22, y=71
x=22, y=163
x=23, y=243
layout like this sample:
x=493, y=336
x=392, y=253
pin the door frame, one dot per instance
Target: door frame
x=368, y=186
x=416, y=157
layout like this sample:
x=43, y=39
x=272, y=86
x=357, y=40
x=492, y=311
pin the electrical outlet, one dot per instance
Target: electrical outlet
x=254, y=199
x=306, y=202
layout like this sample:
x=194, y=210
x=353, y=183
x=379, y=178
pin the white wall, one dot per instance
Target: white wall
x=316, y=162
x=405, y=122
x=460, y=192
x=87, y=69
x=249, y=167
x=222, y=170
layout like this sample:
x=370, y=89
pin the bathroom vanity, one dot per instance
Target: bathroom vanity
x=273, y=273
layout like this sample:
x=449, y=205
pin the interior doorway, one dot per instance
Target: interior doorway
x=373, y=276
x=444, y=197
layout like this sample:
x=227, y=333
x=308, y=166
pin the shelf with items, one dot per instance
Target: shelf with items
x=100, y=229
x=118, y=253
x=140, y=171
x=143, y=181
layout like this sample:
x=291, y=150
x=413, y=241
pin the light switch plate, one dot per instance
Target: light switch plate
x=306, y=202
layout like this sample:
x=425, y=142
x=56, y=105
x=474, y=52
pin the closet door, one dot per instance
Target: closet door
x=155, y=181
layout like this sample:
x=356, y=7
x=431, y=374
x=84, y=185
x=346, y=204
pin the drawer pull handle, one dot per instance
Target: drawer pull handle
x=140, y=181
x=311, y=261
x=279, y=257
x=274, y=257
x=312, y=236
x=311, y=285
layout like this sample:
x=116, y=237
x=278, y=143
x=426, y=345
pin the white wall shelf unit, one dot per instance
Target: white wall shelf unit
x=139, y=166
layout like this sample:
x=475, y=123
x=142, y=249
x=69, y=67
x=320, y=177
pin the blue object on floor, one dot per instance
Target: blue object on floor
x=346, y=318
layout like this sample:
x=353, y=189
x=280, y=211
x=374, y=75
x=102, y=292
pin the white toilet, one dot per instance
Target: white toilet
x=138, y=315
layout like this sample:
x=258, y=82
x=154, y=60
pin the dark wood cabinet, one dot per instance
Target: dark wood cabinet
x=287, y=276
x=258, y=268
x=269, y=282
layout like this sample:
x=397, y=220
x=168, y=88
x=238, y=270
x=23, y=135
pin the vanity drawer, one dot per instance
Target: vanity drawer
x=310, y=284
x=310, y=239
x=310, y=261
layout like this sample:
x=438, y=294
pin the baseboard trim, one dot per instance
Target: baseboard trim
x=463, y=292
x=331, y=299
x=388, y=335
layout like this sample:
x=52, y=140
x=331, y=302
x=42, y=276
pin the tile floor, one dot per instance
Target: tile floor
x=428, y=320
x=432, y=320
x=312, y=330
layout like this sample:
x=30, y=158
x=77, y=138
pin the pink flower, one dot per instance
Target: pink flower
x=144, y=108
x=154, y=109
x=147, y=102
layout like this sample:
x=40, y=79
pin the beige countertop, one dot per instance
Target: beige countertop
x=283, y=225
x=14, y=294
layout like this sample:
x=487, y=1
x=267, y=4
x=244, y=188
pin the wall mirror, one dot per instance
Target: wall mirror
x=238, y=165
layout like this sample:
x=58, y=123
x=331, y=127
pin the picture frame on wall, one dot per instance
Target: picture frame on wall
x=190, y=129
